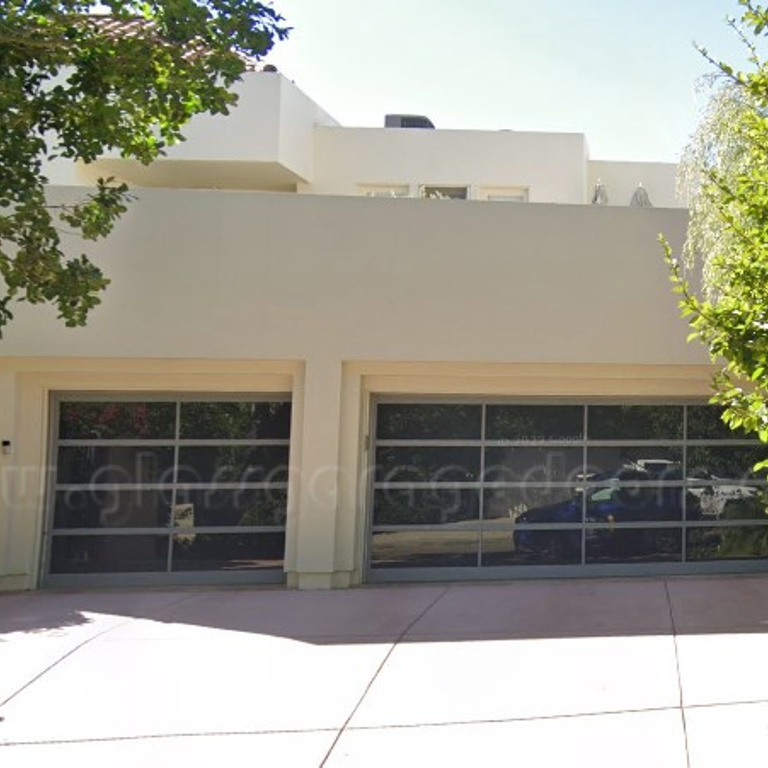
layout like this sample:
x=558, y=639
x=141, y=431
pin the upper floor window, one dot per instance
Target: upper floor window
x=444, y=193
x=385, y=190
x=504, y=194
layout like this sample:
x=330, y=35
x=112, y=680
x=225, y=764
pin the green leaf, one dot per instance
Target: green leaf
x=725, y=171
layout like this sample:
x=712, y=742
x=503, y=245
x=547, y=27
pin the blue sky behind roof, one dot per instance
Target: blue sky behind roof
x=623, y=72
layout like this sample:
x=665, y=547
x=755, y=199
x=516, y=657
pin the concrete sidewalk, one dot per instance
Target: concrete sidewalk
x=613, y=673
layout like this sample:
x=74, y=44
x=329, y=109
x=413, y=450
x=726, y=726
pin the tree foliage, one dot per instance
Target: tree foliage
x=724, y=174
x=78, y=79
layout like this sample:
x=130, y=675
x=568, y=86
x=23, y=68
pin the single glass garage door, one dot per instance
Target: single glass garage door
x=167, y=491
x=498, y=490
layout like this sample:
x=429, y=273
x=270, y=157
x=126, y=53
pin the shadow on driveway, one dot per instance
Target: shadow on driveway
x=413, y=613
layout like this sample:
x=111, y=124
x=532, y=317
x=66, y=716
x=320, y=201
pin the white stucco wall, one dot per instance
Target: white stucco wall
x=551, y=165
x=250, y=275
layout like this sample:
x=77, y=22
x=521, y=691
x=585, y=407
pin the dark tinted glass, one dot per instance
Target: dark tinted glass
x=96, y=508
x=233, y=464
x=534, y=465
x=725, y=462
x=726, y=502
x=635, y=422
x=704, y=423
x=527, y=547
x=424, y=549
x=234, y=508
x=534, y=422
x=236, y=421
x=644, y=464
x=97, y=465
x=228, y=552
x=633, y=545
x=633, y=503
x=428, y=422
x=531, y=504
x=449, y=507
x=442, y=193
x=427, y=464
x=725, y=543
x=117, y=421
x=108, y=554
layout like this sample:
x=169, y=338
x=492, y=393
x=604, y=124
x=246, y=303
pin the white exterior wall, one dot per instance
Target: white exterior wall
x=551, y=165
x=299, y=117
x=278, y=139
x=266, y=142
x=336, y=300
x=253, y=275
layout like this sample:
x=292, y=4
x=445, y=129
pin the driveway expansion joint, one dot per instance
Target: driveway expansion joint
x=74, y=650
x=381, y=666
x=160, y=736
x=500, y=720
x=677, y=669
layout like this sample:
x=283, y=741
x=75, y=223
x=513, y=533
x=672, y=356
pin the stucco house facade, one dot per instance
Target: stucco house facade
x=331, y=356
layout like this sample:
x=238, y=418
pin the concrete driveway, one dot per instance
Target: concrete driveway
x=612, y=673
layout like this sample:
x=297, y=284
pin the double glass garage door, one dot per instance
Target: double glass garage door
x=171, y=490
x=167, y=491
x=492, y=489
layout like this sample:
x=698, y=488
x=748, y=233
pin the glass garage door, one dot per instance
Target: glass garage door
x=161, y=491
x=496, y=490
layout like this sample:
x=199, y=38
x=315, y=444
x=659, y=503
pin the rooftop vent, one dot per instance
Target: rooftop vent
x=407, y=121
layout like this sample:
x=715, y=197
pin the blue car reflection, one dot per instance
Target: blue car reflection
x=610, y=500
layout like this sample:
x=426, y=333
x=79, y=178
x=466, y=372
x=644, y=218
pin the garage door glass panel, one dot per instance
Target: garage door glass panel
x=532, y=505
x=725, y=462
x=228, y=552
x=427, y=464
x=116, y=421
x=234, y=508
x=108, y=554
x=424, y=549
x=235, y=421
x=517, y=464
x=705, y=423
x=636, y=463
x=633, y=545
x=534, y=422
x=633, y=503
x=727, y=543
x=530, y=547
x=417, y=506
x=635, y=422
x=101, y=508
x=429, y=422
x=718, y=501
x=233, y=464
x=114, y=464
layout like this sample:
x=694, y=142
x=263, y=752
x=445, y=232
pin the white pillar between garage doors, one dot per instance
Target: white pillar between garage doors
x=313, y=507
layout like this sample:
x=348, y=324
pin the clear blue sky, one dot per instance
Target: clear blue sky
x=623, y=72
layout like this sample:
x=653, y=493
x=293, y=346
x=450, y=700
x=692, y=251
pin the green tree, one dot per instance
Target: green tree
x=80, y=78
x=724, y=172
